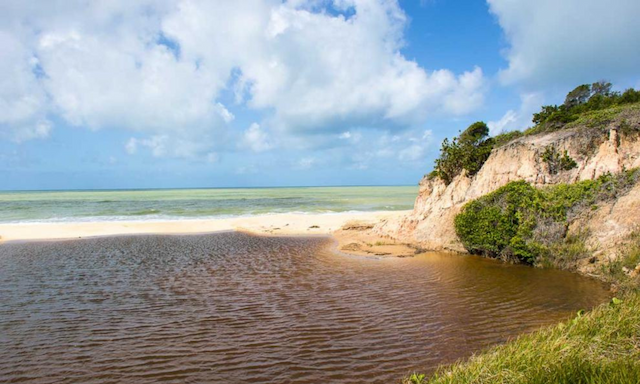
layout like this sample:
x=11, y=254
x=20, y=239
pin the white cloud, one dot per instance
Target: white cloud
x=517, y=120
x=569, y=41
x=30, y=130
x=408, y=147
x=257, y=139
x=507, y=120
x=411, y=153
x=131, y=146
x=417, y=148
x=23, y=102
x=159, y=68
x=322, y=72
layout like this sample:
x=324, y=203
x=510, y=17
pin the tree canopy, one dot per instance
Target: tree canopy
x=467, y=152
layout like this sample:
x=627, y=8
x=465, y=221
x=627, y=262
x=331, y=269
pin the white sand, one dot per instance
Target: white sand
x=278, y=224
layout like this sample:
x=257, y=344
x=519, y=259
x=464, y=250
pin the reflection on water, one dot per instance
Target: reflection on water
x=234, y=308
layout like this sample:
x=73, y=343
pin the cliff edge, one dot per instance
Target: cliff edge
x=595, y=151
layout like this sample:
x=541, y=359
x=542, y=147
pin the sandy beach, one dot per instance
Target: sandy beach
x=356, y=240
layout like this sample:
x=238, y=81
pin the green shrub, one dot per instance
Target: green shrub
x=564, y=253
x=557, y=162
x=518, y=222
x=495, y=224
x=505, y=138
x=467, y=152
x=594, y=104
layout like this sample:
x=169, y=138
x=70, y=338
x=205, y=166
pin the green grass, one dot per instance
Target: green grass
x=594, y=123
x=603, y=118
x=602, y=346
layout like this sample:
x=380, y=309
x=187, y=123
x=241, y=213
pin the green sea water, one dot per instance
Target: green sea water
x=79, y=206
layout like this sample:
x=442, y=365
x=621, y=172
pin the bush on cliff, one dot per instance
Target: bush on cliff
x=520, y=223
x=557, y=162
x=467, y=152
x=581, y=100
x=590, y=105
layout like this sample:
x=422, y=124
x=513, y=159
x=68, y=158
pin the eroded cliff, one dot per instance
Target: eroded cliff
x=596, y=152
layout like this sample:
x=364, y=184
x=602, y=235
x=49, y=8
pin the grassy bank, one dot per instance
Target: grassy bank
x=520, y=223
x=602, y=346
x=530, y=225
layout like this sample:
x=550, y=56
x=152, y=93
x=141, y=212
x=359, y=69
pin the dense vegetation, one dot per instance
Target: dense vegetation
x=521, y=223
x=588, y=105
x=467, y=152
x=582, y=100
x=599, y=347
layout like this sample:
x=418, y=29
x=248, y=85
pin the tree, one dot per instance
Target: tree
x=630, y=96
x=474, y=134
x=602, y=88
x=578, y=96
x=544, y=114
x=449, y=164
x=475, y=146
x=466, y=152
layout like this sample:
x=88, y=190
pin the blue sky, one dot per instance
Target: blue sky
x=190, y=93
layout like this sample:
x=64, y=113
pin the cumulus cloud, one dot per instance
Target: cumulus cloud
x=520, y=119
x=323, y=72
x=569, y=41
x=408, y=147
x=417, y=148
x=160, y=68
x=257, y=139
x=23, y=102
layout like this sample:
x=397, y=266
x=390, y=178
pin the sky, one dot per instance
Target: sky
x=110, y=94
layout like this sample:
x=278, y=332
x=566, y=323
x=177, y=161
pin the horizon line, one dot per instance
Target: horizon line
x=202, y=188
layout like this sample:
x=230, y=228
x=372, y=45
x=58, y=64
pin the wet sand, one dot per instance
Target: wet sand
x=275, y=224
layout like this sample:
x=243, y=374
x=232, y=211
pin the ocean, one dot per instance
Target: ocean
x=180, y=204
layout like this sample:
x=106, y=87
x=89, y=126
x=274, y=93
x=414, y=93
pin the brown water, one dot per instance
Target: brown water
x=234, y=308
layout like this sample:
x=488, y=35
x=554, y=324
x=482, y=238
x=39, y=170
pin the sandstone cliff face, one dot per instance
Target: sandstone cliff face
x=430, y=225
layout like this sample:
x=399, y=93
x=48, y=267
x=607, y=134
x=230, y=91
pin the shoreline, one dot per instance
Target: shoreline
x=351, y=230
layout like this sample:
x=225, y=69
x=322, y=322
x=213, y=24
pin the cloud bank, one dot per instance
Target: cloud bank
x=165, y=69
x=569, y=41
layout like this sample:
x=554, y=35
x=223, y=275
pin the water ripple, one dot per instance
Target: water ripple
x=234, y=308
